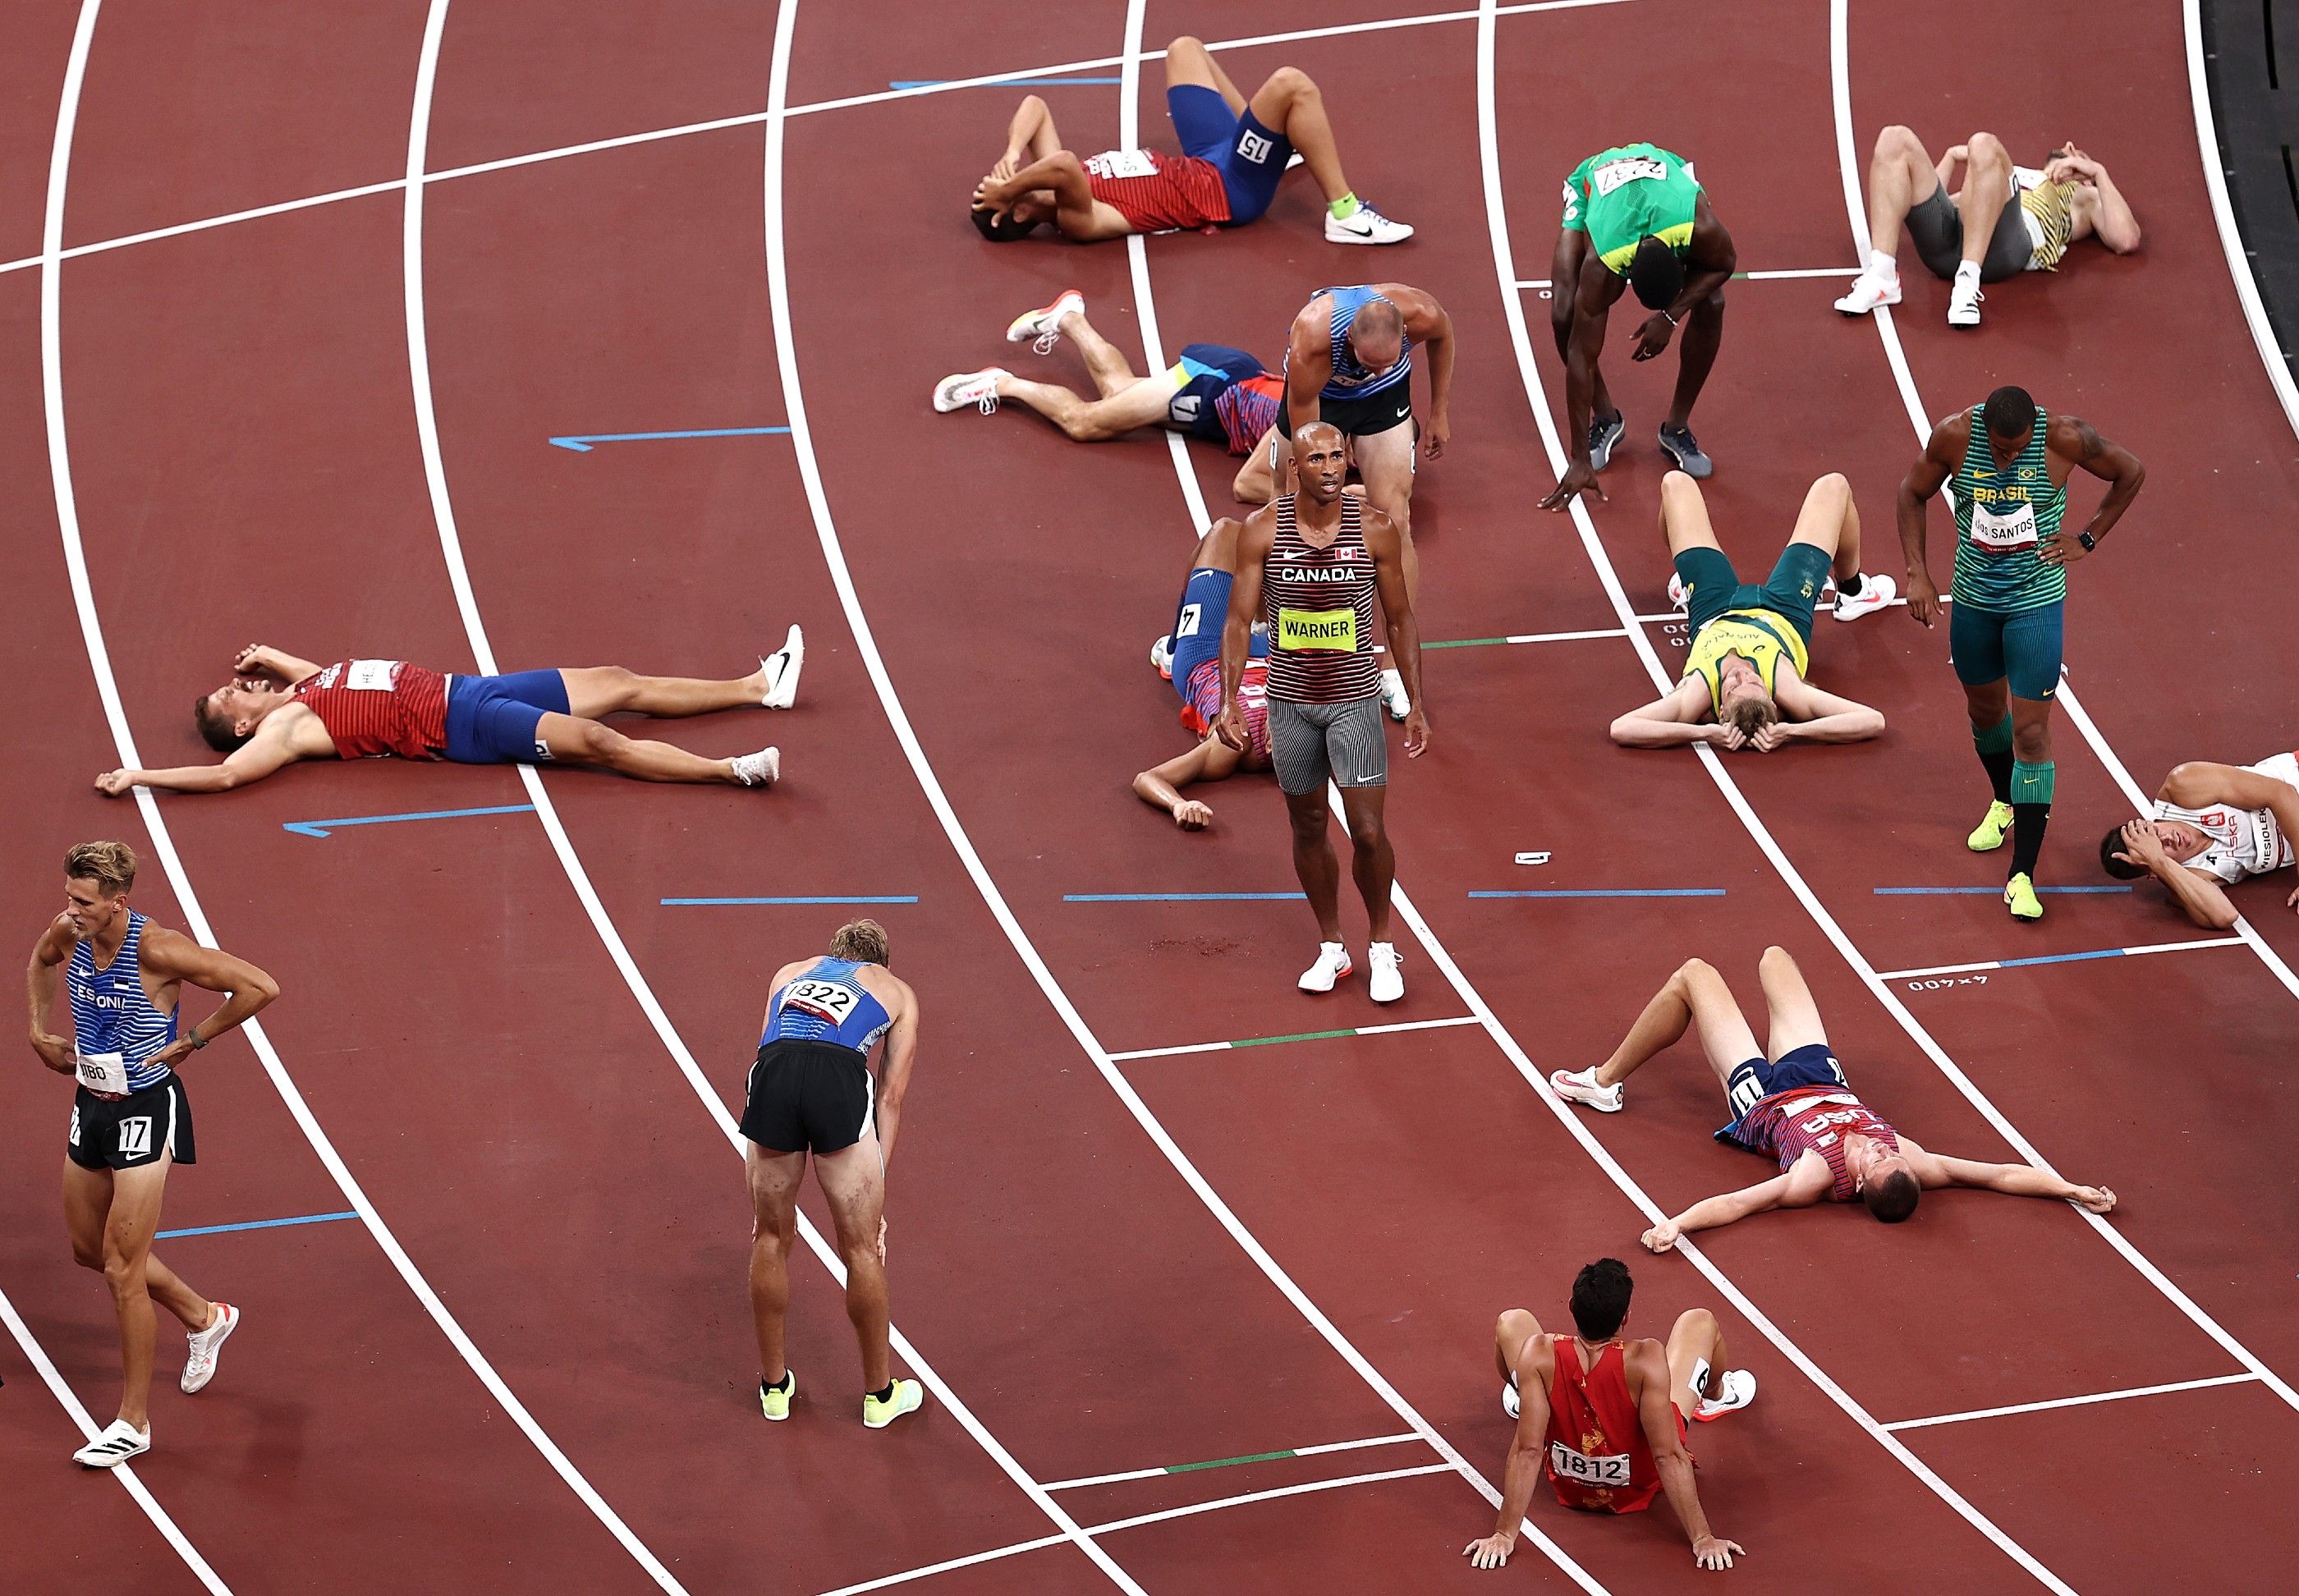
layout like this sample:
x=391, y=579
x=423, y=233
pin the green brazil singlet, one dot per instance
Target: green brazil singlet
x=2003, y=520
x=1621, y=196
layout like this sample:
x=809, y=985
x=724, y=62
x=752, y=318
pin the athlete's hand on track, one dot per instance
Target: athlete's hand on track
x=112, y=783
x=2293, y=901
x=55, y=1052
x=1491, y=1552
x=1712, y=1551
x=1652, y=336
x=1662, y=1236
x=1436, y=436
x=1229, y=726
x=1579, y=477
x=2063, y=551
x=1191, y=815
x=1416, y=733
x=2143, y=845
x=2099, y=1200
x=1923, y=598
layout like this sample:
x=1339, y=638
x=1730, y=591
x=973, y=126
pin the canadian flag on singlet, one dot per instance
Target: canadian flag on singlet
x=1155, y=192
x=375, y=707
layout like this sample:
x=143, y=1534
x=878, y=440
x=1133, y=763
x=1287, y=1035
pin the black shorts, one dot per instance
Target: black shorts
x=139, y=1129
x=808, y=1095
x=1938, y=227
x=1375, y=412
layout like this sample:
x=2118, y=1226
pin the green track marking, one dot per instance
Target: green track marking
x=1465, y=643
x=1227, y=1462
x=1300, y=1036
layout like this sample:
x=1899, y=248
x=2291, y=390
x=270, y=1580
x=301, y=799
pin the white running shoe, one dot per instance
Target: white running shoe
x=1365, y=225
x=199, y=1361
x=782, y=668
x=1735, y=1388
x=1161, y=657
x=1387, y=983
x=1868, y=291
x=1963, y=303
x=1580, y=1086
x=1332, y=964
x=1043, y=325
x=977, y=388
x=1510, y=1402
x=1875, y=592
x=1393, y=696
x=119, y=1442
x=759, y=769
x=1677, y=599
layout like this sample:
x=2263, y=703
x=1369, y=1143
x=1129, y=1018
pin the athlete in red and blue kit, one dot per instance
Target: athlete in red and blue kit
x=1190, y=657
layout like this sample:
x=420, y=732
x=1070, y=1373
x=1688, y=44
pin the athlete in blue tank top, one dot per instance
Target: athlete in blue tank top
x=827, y=1004
x=1350, y=378
x=131, y=1120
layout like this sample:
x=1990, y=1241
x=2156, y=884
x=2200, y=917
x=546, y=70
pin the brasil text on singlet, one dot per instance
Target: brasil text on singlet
x=2003, y=518
x=1319, y=606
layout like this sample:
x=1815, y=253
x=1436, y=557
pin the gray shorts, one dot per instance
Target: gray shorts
x=1309, y=742
x=1938, y=227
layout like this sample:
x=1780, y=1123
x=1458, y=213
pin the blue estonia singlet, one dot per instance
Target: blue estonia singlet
x=1351, y=379
x=113, y=1014
x=827, y=1004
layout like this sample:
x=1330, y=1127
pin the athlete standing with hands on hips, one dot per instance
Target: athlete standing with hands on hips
x=2006, y=464
x=130, y=1118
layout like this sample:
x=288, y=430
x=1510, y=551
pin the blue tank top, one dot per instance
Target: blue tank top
x=827, y=1004
x=111, y=1013
x=1352, y=378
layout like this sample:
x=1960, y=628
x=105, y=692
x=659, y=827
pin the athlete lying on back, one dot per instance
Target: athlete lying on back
x=278, y=709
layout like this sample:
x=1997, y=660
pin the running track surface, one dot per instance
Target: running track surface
x=1117, y=1267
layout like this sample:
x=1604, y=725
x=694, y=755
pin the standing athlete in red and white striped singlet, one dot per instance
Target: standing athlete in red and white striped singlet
x=277, y=709
x=1312, y=561
x=1790, y=1101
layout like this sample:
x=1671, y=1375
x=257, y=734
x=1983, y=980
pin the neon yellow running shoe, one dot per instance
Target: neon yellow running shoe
x=1992, y=831
x=2019, y=898
x=776, y=1404
x=909, y=1397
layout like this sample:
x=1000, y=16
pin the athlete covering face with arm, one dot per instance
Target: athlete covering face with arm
x=2213, y=826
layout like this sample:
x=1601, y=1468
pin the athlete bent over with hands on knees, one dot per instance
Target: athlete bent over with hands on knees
x=1309, y=564
x=1790, y=1101
x=364, y=708
x=2213, y=826
x=811, y=1090
x=1744, y=681
x=1605, y=1417
x=130, y=1117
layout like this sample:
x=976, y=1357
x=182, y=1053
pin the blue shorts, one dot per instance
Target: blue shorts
x=2022, y=648
x=1198, y=625
x=491, y=719
x=1249, y=157
x=1212, y=369
x=1811, y=1065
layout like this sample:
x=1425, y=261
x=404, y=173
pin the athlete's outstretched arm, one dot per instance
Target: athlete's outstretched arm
x=894, y=1079
x=1783, y=1191
x=1528, y=1447
x=1678, y=717
x=1818, y=717
x=1388, y=551
x=254, y=760
x=1656, y=1412
x=1161, y=788
x=2075, y=439
x=2013, y=1180
x=173, y=955
x=1592, y=307
x=1924, y=479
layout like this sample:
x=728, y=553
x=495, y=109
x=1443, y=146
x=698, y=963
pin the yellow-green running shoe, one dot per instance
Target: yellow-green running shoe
x=909, y=1397
x=2019, y=898
x=1992, y=831
x=776, y=1404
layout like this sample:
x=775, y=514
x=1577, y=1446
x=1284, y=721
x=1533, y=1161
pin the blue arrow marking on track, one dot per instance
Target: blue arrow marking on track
x=321, y=827
x=581, y=442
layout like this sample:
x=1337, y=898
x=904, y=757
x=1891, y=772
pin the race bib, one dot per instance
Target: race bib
x=1629, y=169
x=103, y=1072
x=1192, y=617
x=1299, y=629
x=824, y=1000
x=370, y=675
x=1122, y=164
x=2014, y=529
x=1609, y=1472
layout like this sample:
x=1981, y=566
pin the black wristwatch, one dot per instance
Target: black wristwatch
x=2087, y=540
x=196, y=1040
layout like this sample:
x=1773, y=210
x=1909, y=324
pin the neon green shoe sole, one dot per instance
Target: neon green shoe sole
x=776, y=1404
x=909, y=1397
x=1992, y=831
x=2019, y=898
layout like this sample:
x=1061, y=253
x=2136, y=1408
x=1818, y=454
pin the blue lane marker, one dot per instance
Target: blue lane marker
x=1990, y=891
x=1640, y=892
x=1179, y=897
x=1001, y=83
x=689, y=902
x=2063, y=958
x=321, y=827
x=251, y=1225
x=581, y=442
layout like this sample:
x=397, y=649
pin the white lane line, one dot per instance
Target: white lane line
x=2081, y=1402
x=2153, y=947
x=930, y=785
x=1215, y=1047
x=116, y=717
x=1537, y=399
x=1298, y=1451
x=1840, y=71
x=578, y=878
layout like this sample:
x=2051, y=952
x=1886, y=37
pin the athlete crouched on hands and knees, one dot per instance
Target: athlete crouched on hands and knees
x=1746, y=682
x=277, y=709
x=130, y=1117
x=2213, y=826
x=811, y=1090
x=1606, y=1417
x=1790, y=1101
x=1190, y=656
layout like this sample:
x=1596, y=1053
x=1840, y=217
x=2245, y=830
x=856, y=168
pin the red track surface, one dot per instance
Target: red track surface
x=247, y=463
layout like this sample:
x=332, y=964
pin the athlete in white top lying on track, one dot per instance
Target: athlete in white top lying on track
x=2213, y=826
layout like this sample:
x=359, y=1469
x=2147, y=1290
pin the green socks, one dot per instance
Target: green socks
x=1345, y=207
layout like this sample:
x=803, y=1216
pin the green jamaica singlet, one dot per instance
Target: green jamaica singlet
x=2003, y=518
x=1623, y=195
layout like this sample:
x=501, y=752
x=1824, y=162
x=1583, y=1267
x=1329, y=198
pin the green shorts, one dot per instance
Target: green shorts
x=1712, y=587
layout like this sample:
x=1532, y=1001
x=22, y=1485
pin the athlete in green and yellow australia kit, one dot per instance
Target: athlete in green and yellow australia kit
x=2005, y=464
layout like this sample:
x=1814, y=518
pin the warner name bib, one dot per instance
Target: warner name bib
x=1300, y=629
x=2015, y=529
x=1610, y=1471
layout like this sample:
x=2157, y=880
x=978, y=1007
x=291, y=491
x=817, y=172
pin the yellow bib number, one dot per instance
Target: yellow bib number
x=1317, y=629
